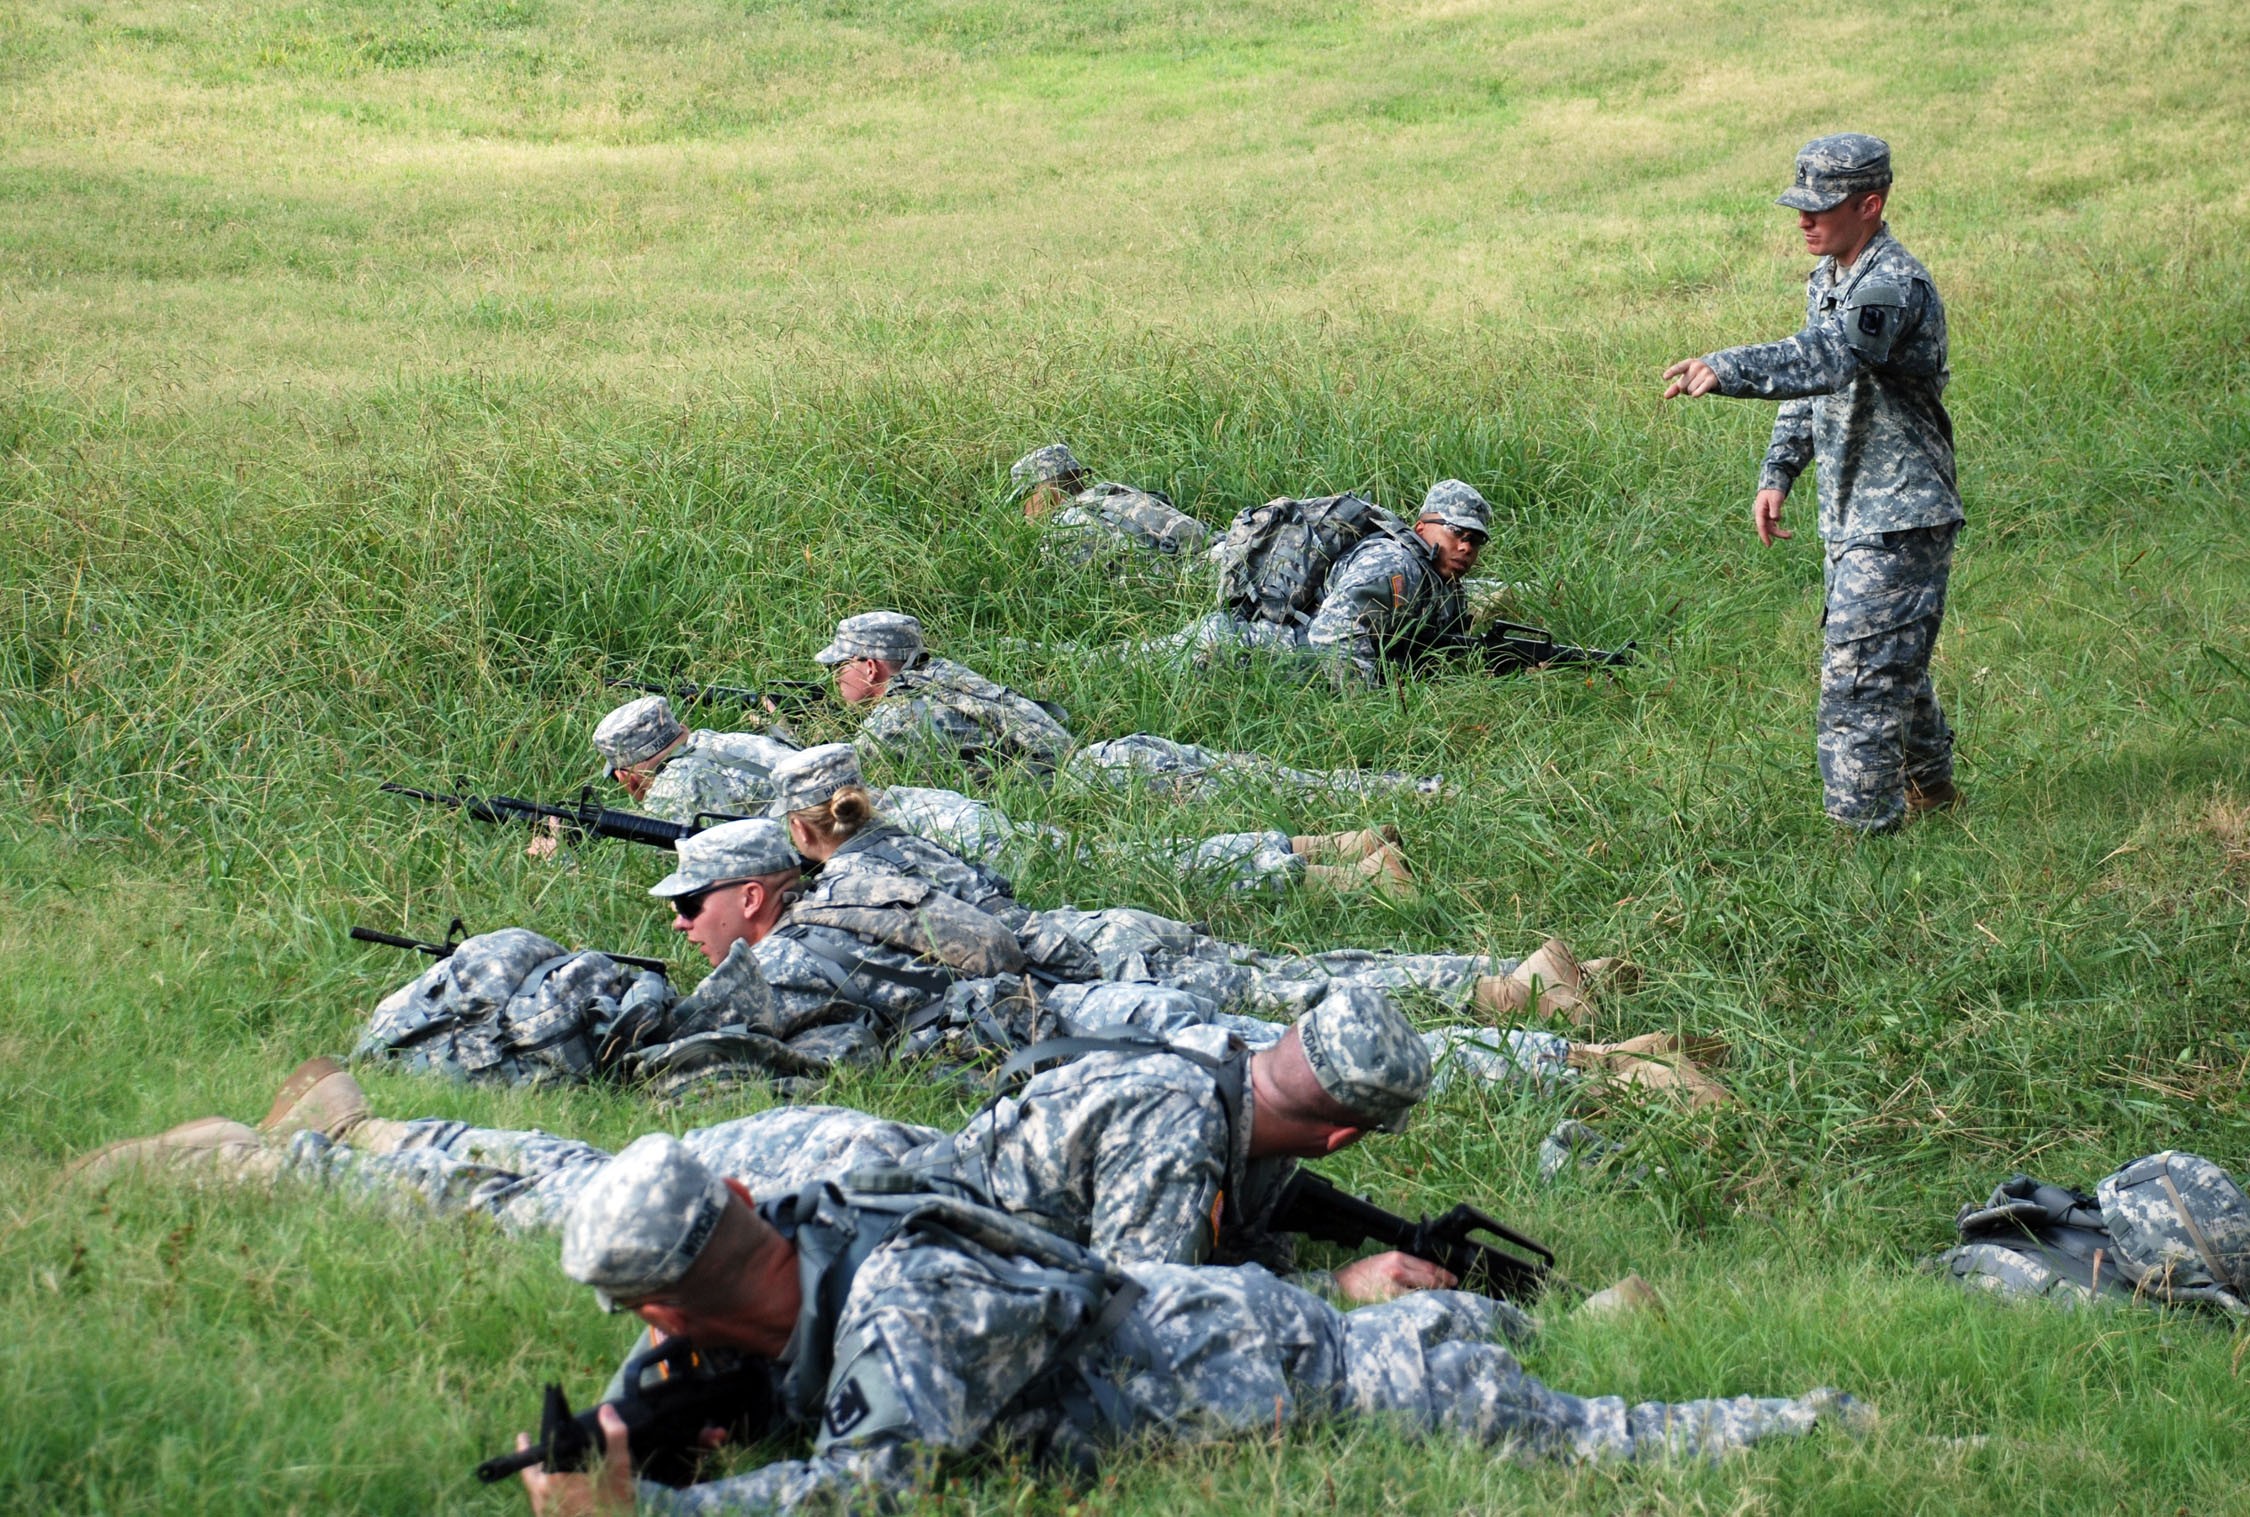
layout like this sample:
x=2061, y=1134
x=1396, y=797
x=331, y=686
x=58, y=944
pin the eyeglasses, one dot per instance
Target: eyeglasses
x=690, y=907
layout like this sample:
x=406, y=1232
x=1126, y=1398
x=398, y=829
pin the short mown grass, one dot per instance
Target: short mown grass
x=382, y=376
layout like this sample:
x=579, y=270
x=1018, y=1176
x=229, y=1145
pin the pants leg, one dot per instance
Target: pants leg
x=1879, y=722
x=522, y=1180
x=1429, y=1359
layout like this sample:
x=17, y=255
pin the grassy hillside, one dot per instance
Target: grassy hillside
x=376, y=379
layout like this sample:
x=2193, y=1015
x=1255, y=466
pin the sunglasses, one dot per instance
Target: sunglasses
x=690, y=907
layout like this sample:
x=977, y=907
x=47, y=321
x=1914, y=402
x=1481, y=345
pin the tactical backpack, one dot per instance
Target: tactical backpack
x=2170, y=1227
x=1275, y=558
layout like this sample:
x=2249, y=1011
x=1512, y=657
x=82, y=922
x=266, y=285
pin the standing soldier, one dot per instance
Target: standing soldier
x=1861, y=389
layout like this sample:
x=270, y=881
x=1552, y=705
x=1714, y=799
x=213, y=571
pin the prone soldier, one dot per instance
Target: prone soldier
x=1090, y=523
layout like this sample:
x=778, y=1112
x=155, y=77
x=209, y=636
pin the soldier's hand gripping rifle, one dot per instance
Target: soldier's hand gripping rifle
x=1320, y=1209
x=1511, y=647
x=455, y=933
x=672, y=1392
x=589, y=818
x=781, y=697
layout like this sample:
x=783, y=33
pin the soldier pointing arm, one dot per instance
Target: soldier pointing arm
x=1861, y=388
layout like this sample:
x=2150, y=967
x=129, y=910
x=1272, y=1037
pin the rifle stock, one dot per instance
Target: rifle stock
x=664, y=1417
x=1319, y=1209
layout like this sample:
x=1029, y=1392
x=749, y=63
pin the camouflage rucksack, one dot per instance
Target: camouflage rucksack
x=1275, y=558
x=2170, y=1227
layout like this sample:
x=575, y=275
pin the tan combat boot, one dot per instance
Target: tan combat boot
x=319, y=1096
x=206, y=1146
x=1343, y=847
x=1551, y=974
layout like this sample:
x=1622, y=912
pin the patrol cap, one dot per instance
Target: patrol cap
x=810, y=776
x=892, y=636
x=637, y=731
x=1366, y=1054
x=639, y=1224
x=1831, y=169
x=2180, y=1218
x=721, y=855
x=1043, y=466
x=1459, y=506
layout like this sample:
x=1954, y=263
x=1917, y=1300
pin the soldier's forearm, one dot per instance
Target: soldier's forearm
x=1795, y=368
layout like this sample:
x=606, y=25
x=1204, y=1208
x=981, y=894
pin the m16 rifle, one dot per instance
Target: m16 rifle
x=1511, y=647
x=672, y=1392
x=781, y=697
x=1320, y=1209
x=589, y=818
x=456, y=933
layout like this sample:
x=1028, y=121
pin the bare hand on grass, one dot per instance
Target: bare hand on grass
x=1382, y=1277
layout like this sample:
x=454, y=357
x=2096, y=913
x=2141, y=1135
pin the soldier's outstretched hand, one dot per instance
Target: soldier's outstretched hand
x=607, y=1492
x=1765, y=515
x=1690, y=377
x=1382, y=1277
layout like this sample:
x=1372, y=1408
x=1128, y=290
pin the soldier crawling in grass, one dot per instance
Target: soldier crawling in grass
x=1862, y=395
x=1146, y=1152
x=1084, y=522
x=904, y=1327
x=1342, y=581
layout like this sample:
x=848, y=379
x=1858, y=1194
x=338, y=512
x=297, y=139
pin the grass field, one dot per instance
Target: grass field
x=379, y=376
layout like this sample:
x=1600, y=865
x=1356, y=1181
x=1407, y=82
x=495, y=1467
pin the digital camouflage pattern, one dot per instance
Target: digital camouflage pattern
x=1457, y=504
x=1106, y=520
x=1830, y=169
x=807, y=778
x=526, y=1180
x=1880, y=728
x=940, y=710
x=749, y=849
x=2183, y=1226
x=941, y=1342
x=882, y=848
x=1189, y=771
x=1385, y=603
x=512, y=1007
x=1132, y=944
x=665, y=1206
x=891, y=636
x=636, y=732
x=716, y=773
x=1862, y=389
x=974, y=829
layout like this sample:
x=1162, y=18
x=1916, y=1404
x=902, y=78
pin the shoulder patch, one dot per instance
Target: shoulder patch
x=847, y=1409
x=1871, y=320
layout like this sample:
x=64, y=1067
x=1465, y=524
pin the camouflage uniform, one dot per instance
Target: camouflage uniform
x=1386, y=603
x=1105, y=522
x=1132, y=944
x=1862, y=391
x=950, y=712
x=1189, y=771
x=962, y=1324
x=525, y=1179
x=512, y=1007
x=729, y=773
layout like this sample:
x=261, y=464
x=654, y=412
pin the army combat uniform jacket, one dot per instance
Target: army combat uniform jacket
x=1862, y=390
x=725, y=773
x=949, y=711
x=1385, y=602
x=956, y=1328
x=1109, y=520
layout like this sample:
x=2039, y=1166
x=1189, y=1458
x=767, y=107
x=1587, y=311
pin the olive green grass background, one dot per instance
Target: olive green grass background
x=380, y=378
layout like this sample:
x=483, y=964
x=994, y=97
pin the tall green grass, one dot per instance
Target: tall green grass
x=380, y=378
